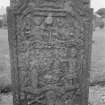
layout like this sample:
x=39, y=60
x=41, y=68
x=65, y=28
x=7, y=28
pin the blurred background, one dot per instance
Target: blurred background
x=97, y=73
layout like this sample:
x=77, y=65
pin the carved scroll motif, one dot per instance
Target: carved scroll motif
x=21, y=5
x=49, y=60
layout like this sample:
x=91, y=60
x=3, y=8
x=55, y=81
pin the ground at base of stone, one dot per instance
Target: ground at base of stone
x=96, y=96
x=6, y=99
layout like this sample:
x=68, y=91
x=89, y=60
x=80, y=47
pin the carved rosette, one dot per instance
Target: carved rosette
x=51, y=51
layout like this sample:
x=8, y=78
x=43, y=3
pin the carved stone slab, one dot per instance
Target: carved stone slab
x=50, y=46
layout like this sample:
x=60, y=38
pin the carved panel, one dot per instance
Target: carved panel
x=51, y=52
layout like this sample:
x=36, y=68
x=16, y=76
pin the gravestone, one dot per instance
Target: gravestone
x=50, y=50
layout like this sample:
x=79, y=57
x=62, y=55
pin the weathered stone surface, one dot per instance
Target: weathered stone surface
x=50, y=45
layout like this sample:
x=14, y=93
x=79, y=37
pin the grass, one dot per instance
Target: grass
x=5, y=74
x=98, y=56
x=6, y=99
x=3, y=41
x=97, y=93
